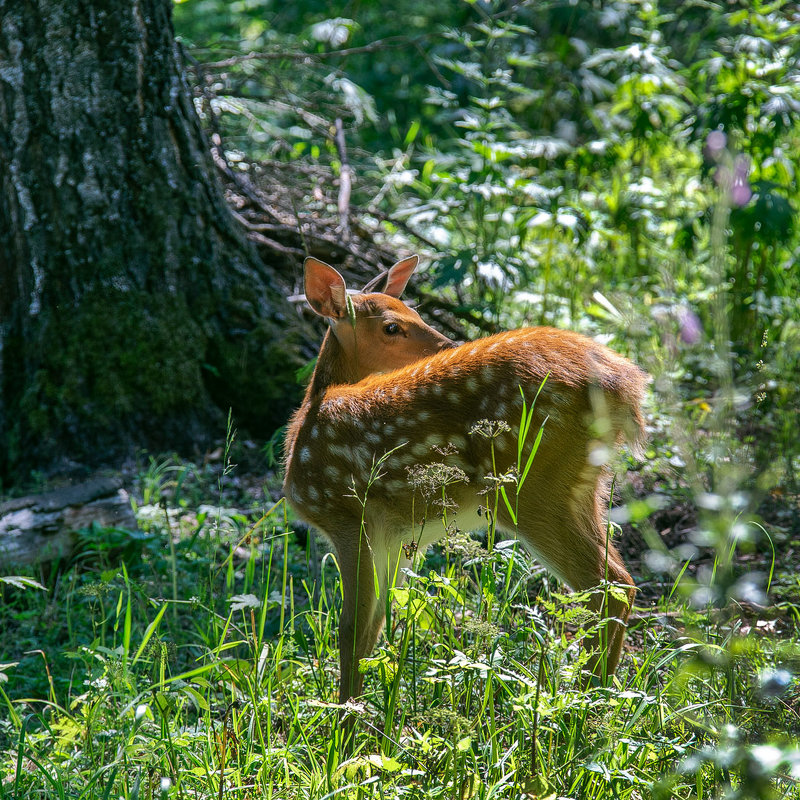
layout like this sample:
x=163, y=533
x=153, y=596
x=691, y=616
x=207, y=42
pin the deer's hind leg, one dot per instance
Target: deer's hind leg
x=614, y=599
x=567, y=531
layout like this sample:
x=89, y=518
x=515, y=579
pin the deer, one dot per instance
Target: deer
x=390, y=393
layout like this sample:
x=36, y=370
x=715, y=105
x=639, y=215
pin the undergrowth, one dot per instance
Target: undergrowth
x=197, y=657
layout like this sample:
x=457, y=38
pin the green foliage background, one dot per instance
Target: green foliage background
x=543, y=152
x=623, y=168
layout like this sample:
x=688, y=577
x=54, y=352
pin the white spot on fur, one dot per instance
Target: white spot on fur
x=313, y=493
x=331, y=472
x=404, y=457
x=511, y=392
x=305, y=455
x=599, y=455
x=458, y=441
x=341, y=450
x=361, y=456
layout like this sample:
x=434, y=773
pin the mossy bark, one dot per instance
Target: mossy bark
x=133, y=312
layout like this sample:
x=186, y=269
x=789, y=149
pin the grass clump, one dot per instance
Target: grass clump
x=198, y=657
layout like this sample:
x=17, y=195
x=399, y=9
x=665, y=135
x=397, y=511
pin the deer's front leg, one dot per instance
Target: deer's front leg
x=368, y=571
x=362, y=615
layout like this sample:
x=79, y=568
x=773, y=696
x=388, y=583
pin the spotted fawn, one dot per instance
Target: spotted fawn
x=390, y=396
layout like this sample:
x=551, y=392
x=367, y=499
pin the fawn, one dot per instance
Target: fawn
x=389, y=393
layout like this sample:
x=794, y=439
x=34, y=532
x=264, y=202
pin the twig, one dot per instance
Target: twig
x=384, y=217
x=282, y=55
x=345, y=180
x=265, y=241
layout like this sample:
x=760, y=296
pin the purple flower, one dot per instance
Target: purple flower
x=715, y=145
x=733, y=180
x=690, y=328
x=740, y=188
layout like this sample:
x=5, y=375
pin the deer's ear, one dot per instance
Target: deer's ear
x=325, y=288
x=398, y=276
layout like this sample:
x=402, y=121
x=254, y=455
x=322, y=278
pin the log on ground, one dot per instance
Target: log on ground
x=42, y=527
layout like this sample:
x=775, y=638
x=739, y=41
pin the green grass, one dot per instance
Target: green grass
x=197, y=658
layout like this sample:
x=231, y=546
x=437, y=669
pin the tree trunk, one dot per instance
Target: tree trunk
x=133, y=312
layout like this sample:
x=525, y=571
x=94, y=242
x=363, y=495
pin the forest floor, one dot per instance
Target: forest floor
x=220, y=613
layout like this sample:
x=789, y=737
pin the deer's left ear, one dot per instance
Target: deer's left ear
x=325, y=289
x=398, y=276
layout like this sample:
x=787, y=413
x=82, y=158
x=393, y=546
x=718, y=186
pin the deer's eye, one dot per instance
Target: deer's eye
x=391, y=329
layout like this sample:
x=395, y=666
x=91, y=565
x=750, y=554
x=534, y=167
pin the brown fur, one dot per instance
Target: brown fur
x=354, y=414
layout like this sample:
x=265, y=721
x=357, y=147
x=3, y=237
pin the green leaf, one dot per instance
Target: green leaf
x=151, y=629
x=241, y=601
x=21, y=582
x=532, y=455
x=509, y=507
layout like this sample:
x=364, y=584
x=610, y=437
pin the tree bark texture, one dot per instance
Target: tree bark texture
x=133, y=312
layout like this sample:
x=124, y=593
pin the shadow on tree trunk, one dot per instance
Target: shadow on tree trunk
x=133, y=310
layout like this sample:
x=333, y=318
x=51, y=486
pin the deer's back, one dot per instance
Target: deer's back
x=425, y=415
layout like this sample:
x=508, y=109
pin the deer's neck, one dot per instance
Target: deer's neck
x=334, y=367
